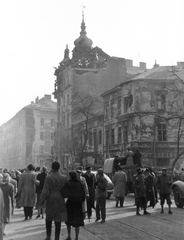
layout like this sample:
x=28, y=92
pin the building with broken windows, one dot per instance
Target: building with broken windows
x=80, y=81
x=146, y=111
x=28, y=137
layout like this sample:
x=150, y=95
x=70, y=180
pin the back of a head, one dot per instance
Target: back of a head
x=55, y=166
x=30, y=167
x=100, y=171
x=44, y=169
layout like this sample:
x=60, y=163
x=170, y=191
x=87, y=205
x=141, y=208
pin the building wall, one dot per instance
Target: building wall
x=20, y=142
x=138, y=121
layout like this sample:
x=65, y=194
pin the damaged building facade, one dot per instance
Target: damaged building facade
x=146, y=112
x=28, y=137
x=80, y=81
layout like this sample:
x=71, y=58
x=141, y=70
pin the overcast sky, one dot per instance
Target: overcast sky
x=34, y=34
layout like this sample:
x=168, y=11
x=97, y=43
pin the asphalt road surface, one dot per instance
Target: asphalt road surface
x=121, y=224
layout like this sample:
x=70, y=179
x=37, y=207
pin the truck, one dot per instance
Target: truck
x=111, y=166
x=178, y=192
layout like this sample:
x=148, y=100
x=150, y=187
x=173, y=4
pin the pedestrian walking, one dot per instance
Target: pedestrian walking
x=140, y=193
x=26, y=191
x=101, y=193
x=74, y=191
x=119, y=180
x=164, y=182
x=83, y=180
x=55, y=204
x=90, y=179
x=149, y=184
x=7, y=189
x=41, y=178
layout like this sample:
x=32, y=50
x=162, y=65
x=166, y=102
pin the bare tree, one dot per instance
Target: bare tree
x=84, y=109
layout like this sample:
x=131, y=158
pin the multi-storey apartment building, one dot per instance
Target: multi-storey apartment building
x=28, y=137
x=85, y=76
x=146, y=111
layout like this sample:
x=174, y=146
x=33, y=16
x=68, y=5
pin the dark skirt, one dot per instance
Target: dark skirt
x=75, y=213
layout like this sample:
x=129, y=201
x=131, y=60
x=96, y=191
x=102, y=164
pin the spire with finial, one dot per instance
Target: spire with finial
x=83, y=26
x=83, y=43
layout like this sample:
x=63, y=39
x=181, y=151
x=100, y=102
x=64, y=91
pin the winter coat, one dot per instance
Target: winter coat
x=139, y=187
x=51, y=193
x=8, y=194
x=101, y=187
x=119, y=180
x=27, y=188
x=75, y=192
x=90, y=180
x=149, y=184
x=164, y=183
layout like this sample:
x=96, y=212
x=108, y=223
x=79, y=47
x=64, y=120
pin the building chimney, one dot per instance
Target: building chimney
x=129, y=63
x=156, y=65
x=47, y=97
x=142, y=65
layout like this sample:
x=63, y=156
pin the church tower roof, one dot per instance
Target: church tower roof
x=83, y=43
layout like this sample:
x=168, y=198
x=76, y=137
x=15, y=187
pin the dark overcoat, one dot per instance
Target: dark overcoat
x=75, y=192
x=51, y=193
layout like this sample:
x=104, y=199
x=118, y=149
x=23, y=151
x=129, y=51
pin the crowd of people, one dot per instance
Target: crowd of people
x=71, y=197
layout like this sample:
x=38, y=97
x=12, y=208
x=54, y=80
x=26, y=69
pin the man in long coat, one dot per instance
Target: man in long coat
x=90, y=179
x=55, y=204
x=149, y=183
x=119, y=180
x=26, y=191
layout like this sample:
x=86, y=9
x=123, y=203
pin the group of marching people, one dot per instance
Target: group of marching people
x=146, y=185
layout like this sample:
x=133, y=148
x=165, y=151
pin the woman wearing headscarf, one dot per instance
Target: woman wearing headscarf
x=7, y=189
x=75, y=192
x=26, y=191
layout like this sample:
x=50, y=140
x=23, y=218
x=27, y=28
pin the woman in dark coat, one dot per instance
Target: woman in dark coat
x=75, y=192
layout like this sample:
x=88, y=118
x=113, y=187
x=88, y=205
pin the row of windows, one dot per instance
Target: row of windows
x=42, y=136
x=110, y=135
x=52, y=122
x=112, y=109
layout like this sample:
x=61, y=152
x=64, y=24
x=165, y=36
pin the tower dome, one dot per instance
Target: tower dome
x=83, y=43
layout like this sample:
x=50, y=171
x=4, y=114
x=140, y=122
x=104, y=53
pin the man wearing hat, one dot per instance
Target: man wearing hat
x=90, y=180
x=164, y=182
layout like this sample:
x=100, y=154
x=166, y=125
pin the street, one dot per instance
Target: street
x=121, y=224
